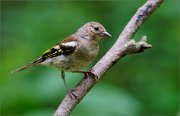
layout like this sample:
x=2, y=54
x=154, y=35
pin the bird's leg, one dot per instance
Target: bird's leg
x=70, y=92
x=87, y=73
x=63, y=78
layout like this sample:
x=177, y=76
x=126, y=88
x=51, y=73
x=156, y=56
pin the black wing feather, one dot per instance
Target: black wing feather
x=67, y=49
x=57, y=50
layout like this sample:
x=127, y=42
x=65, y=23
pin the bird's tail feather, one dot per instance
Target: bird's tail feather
x=34, y=63
x=23, y=67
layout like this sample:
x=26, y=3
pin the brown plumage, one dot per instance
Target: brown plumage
x=75, y=51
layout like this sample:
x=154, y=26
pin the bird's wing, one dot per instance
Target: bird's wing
x=52, y=52
x=67, y=46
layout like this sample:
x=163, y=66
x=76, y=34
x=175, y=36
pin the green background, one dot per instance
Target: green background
x=140, y=84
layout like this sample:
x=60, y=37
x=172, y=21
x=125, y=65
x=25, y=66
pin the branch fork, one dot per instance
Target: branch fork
x=137, y=47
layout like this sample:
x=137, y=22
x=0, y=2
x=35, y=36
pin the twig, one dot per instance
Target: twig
x=123, y=46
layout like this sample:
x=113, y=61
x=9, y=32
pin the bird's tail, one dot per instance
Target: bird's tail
x=34, y=63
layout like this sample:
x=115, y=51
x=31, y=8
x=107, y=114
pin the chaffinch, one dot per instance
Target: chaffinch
x=74, y=52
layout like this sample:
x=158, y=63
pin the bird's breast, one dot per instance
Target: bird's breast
x=86, y=52
x=83, y=56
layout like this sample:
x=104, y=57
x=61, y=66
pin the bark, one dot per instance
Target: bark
x=125, y=45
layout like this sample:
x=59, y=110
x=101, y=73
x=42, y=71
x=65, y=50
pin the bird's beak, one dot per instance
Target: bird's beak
x=106, y=34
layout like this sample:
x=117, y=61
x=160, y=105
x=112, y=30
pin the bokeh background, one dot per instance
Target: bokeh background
x=140, y=84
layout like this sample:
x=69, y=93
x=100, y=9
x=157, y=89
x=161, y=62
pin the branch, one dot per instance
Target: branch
x=123, y=46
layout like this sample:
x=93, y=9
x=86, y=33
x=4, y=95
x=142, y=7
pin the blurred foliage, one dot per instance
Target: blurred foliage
x=141, y=84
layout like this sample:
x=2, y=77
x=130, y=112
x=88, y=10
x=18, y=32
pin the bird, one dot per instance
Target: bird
x=74, y=52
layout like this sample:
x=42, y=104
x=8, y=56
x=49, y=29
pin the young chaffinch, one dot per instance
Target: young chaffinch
x=74, y=52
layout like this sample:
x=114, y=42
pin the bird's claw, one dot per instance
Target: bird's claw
x=71, y=94
x=87, y=74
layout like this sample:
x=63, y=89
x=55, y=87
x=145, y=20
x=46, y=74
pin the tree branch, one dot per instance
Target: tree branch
x=123, y=46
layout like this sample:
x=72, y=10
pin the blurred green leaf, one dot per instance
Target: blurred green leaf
x=141, y=84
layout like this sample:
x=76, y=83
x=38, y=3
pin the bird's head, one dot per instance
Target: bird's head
x=93, y=31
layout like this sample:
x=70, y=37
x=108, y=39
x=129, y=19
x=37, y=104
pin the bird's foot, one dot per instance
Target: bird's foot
x=88, y=73
x=71, y=94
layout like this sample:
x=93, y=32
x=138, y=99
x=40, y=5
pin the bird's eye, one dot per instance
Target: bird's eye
x=96, y=28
